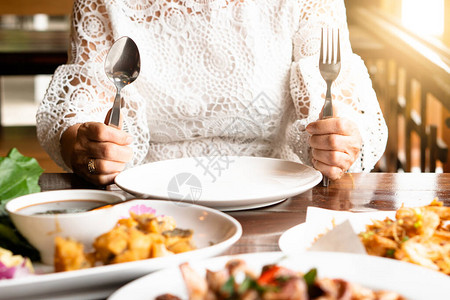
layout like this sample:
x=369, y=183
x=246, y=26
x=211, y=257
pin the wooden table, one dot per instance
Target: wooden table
x=354, y=192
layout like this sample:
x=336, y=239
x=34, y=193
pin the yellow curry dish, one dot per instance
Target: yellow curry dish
x=135, y=238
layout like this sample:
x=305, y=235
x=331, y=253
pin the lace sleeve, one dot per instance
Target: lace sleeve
x=352, y=91
x=80, y=91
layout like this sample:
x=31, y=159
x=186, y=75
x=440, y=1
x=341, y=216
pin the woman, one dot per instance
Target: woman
x=218, y=77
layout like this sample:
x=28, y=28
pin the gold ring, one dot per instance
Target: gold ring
x=91, y=166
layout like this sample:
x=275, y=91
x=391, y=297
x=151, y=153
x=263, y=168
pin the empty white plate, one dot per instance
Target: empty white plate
x=221, y=182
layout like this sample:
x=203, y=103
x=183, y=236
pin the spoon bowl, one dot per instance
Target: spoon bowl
x=122, y=66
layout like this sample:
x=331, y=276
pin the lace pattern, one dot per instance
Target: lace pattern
x=218, y=76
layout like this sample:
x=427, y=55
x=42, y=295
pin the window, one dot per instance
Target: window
x=424, y=17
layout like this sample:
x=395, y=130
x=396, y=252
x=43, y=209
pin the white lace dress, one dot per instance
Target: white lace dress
x=218, y=77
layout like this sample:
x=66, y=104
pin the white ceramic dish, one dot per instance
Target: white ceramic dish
x=41, y=230
x=214, y=232
x=300, y=238
x=411, y=281
x=225, y=183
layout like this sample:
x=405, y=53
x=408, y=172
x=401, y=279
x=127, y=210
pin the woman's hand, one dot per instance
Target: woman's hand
x=335, y=144
x=96, y=151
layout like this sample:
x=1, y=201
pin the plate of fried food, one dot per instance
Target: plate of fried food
x=304, y=276
x=419, y=235
x=148, y=235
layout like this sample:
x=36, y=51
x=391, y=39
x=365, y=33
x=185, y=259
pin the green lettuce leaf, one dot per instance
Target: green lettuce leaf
x=19, y=175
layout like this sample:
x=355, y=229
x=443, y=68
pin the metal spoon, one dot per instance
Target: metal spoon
x=122, y=66
x=103, y=206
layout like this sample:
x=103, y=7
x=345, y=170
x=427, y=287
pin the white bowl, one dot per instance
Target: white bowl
x=40, y=230
x=214, y=233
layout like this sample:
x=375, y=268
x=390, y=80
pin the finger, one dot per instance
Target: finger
x=101, y=179
x=334, y=125
x=109, y=151
x=100, y=172
x=106, y=167
x=100, y=132
x=328, y=142
x=333, y=158
x=332, y=172
x=335, y=142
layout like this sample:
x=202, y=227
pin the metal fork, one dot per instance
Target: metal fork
x=329, y=66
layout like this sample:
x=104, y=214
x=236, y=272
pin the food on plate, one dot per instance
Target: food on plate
x=419, y=235
x=137, y=237
x=238, y=281
x=14, y=266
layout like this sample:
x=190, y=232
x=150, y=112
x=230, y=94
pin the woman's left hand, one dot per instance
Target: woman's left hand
x=335, y=144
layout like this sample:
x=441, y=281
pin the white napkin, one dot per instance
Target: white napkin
x=321, y=220
x=342, y=238
x=337, y=230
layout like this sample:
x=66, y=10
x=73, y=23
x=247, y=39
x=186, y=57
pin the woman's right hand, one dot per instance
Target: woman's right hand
x=96, y=151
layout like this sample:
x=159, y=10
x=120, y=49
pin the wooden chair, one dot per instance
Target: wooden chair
x=414, y=90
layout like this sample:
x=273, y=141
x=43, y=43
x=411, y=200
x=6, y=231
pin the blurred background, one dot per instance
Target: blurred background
x=404, y=43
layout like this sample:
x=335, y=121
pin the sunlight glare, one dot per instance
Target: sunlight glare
x=424, y=17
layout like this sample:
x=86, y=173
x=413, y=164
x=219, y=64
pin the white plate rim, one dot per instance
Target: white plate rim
x=285, y=239
x=385, y=264
x=228, y=205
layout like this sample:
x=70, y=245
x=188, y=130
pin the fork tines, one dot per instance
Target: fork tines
x=332, y=54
